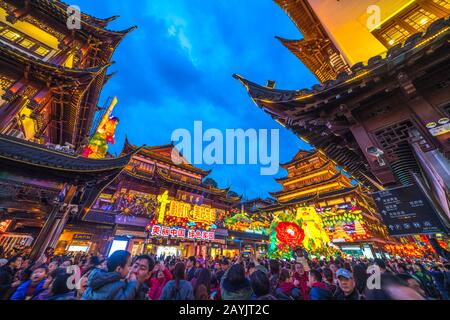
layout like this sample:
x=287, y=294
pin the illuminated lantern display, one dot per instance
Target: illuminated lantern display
x=243, y=223
x=301, y=227
x=289, y=233
x=315, y=236
x=104, y=135
x=285, y=235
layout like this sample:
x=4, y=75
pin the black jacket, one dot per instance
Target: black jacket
x=6, y=278
x=190, y=274
x=339, y=295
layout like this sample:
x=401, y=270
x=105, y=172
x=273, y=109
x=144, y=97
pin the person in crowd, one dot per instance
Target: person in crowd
x=3, y=262
x=274, y=269
x=53, y=265
x=328, y=279
x=392, y=288
x=301, y=280
x=286, y=290
x=426, y=280
x=382, y=265
x=59, y=289
x=48, y=281
x=91, y=263
x=215, y=288
x=66, y=263
x=439, y=279
x=360, y=275
x=202, y=288
x=224, y=265
x=234, y=285
x=142, y=267
x=32, y=287
x=260, y=285
x=414, y=284
x=160, y=276
x=190, y=271
x=178, y=288
x=318, y=289
x=346, y=286
x=250, y=268
x=447, y=277
x=117, y=283
x=7, y=275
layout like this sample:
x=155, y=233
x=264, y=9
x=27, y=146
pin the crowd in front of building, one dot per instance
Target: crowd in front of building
x=149, y=277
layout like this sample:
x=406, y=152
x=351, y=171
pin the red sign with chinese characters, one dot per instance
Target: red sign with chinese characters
x=181, y=233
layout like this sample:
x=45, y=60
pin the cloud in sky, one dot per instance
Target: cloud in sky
x=176, y=68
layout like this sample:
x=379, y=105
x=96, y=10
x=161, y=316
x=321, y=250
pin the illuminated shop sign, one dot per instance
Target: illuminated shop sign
x=82, y=237
x=191, y=212
x=181, y=233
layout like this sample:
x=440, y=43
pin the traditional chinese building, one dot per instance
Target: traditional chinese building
x=386, y=123
x=51, y=77
x=50, y=81
x=348, y=215
x=248, y=229
x=158, y=206
x=41, y=190
x=339, y=34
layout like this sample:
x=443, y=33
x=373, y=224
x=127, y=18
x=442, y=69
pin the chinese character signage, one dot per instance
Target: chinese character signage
x=190, y=212
x=190, y=197
x=82, y=237
x=406, y=211
x=181, y=233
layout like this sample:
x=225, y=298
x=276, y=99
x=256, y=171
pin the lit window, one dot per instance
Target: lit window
x=10, y=35
x=42, y=51
x=419, y=20
x=443, y=3
x=26, y=43
x=395, y=35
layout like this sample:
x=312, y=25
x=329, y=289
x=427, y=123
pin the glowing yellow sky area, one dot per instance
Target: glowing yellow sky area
x=349, y=30
x=31, y=30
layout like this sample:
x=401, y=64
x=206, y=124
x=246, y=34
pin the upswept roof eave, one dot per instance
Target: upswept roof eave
x=438, y=31
x=51, y=68
x=58, y=10
x=287, y=179
x=35, y=155
x=151, y=152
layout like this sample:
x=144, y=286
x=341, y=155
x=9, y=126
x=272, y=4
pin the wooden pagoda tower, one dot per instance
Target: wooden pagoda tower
x=51, y=77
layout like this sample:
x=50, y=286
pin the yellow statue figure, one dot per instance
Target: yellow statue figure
x=315, y=234
x=163, y=200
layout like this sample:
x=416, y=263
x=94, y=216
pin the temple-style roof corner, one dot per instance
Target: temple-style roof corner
x=19, y=151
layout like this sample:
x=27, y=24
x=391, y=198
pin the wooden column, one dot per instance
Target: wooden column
x=49, y=229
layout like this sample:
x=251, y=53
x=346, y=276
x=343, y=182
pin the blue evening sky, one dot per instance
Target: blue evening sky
x=177, y=68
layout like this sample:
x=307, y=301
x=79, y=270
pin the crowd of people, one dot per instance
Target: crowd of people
x=148, y=277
